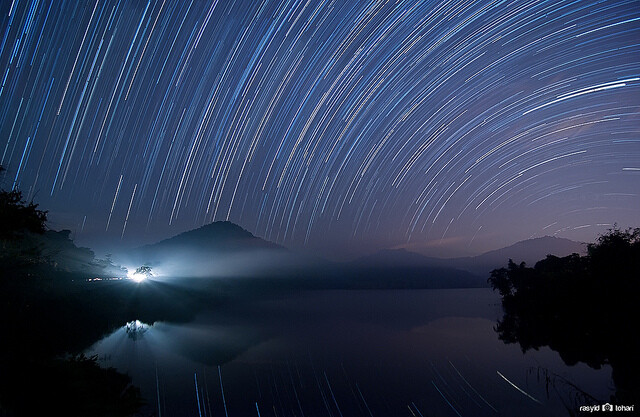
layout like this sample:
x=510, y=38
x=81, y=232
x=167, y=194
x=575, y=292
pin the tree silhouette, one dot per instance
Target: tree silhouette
x=30, y=249
x=18, y=217
x=583, y=307
x=144, y=270
x=22, y=225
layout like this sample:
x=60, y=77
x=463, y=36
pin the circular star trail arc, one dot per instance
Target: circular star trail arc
x=315, y=122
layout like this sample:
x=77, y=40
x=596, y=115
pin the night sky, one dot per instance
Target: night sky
x=334, y=127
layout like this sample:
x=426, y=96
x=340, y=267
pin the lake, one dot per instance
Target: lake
x=347, y=353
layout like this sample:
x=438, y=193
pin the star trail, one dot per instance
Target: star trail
x=325, y=124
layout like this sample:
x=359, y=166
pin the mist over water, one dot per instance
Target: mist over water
x=346, y=353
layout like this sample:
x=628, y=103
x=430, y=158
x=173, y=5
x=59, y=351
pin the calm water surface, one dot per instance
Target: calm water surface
x=346, y=353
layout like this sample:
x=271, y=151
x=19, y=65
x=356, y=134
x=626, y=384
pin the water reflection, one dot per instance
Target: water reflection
x=360, y=353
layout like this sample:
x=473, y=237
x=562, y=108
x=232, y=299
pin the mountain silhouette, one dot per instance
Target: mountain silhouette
x=227, y=251
x=529, y=251
x=399, y=268
x=218, y=249
x=394, y=257
x=220, y=236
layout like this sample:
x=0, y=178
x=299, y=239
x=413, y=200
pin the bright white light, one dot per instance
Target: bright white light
x=131, y=274
x=138, y=277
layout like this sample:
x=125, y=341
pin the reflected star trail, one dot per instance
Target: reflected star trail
x=320, y=124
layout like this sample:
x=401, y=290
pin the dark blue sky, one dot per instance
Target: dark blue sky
x=331, y=126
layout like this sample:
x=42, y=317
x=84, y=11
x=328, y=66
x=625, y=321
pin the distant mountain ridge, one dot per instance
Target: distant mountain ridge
x=225, y=250
x=399, y=268
x=529, y=251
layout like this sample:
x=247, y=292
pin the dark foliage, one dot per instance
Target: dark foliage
x=144, y=270
x=22, y=226
x=48, y=310
x=44, y=319
x=18, y=217
x=30, y=249
x=76, y=386
x=583, y=307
